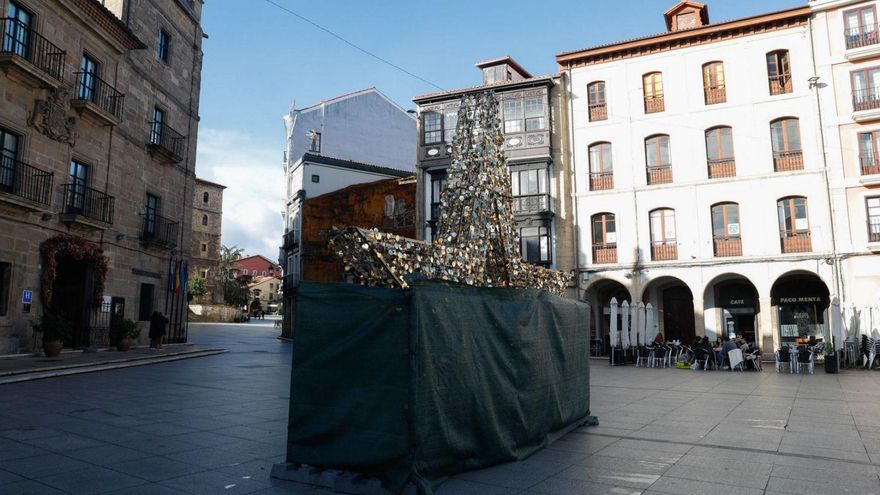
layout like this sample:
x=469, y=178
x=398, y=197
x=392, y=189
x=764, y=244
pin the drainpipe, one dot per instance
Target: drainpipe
x=573, y=178
x=835, y=257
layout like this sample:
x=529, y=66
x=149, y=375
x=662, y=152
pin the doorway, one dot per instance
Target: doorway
x=678, y=313
x=72, y=292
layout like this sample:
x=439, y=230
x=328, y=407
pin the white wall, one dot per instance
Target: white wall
x=749, y=110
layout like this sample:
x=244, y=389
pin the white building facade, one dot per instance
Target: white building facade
x=847, y=45
x=350, y=139
x=698, y=178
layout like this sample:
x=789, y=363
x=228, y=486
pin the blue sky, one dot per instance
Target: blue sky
x=259, y=58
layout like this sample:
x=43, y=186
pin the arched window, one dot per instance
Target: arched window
x=596, y=101
x=726, y=229
x=714, y=87
x=657, y=159
x=604, y=238
x=719, y=152
x=205, y=198
x=794, y=224
x=785, y=136
x=652, y=84
x=204, y=219
x=663, y=243
x=779, y=72
x=433, y=127
x=601, y=167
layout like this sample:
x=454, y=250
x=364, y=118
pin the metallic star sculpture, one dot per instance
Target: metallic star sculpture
x=476, y=243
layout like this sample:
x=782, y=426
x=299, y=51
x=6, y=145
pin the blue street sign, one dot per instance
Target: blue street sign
x=27, y=296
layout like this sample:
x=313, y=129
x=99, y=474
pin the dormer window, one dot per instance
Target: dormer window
x=687, y=15
x=496, y=74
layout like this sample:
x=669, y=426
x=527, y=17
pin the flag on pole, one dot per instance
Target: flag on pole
x=177, y=278
x=184, y=277
x=170, y=275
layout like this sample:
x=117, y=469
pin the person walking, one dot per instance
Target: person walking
x=158, y=322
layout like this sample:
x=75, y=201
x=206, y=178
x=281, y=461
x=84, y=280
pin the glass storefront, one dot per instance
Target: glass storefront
x=801, y=303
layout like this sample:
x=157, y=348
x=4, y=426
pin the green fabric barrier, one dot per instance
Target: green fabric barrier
x=418, y=385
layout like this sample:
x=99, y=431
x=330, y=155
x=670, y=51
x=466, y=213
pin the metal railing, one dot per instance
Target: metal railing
x=874, y=229
x=870, y=164
x=598, y=111
x=784, y=161
x=655, y=104
x=94, y=89
x=22, y=40
x=27, y=182
x=866, y=99
x=291, y=239
x=605, y=253
x=796, y=241
x=781, y=84
x=717, y=94
x=600, y=181
x=159, y=230
x=162, y=136
x=289, y=282
x=730, y=245
x=664, y=250
x=88, y=202
x=722, y=167
x=531, y=203
x=659, y=174
x=858, y=37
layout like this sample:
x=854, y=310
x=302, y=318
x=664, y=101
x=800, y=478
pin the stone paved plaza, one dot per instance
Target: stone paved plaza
x=217, y=424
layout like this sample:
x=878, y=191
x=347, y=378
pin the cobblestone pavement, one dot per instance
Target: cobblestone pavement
x=217, y=424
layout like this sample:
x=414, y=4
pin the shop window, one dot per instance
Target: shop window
x=145, y=304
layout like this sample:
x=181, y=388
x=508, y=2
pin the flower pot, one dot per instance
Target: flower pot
x=123, y=345
x=52, y=349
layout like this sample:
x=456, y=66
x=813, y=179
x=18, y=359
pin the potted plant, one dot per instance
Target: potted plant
x=124, y=333
x=54, y=329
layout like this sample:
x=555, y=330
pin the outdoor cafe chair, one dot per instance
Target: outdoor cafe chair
x=735, y=357
x=702, y=358
x=658, y=356
x=806, y=360
x=783, y=358
x=641, y=356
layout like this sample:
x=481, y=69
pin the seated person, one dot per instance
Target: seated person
x=725, y=349
x=659, y=338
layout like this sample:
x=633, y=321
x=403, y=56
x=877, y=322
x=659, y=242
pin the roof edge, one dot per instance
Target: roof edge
x=612, y=47
x=534, y=81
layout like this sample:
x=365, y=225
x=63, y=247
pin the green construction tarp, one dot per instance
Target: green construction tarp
x=418, y=385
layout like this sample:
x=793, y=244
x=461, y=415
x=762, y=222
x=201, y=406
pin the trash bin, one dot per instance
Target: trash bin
x=831, y=363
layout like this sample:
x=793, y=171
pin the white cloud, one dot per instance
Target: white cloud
x=254, y=197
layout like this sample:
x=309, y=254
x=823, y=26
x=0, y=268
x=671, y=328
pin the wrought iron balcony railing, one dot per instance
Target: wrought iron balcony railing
x=722, y=167
x=598, y=111
x=858, y=37
x=531, y=203
x=781, y=84
x=870, y=164
x=93, y=89
x=289, y=282
x=27, y=182
x=159, y=230
x=166, y=140
x=664, y=250
x=600, y=181
x=866, y=99
x=605, y=253
x=23, y=41
x=88, y=202
x=730, y=245
x=659, y=174
x=291, y=239
x=655, y=103
x=716, y=94
x=796, y=241
x=785, y=161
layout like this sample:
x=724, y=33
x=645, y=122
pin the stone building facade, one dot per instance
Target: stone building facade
x=98, y=129
x=207, y=217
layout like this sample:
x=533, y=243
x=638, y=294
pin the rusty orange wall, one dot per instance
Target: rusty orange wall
x=361, y=205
